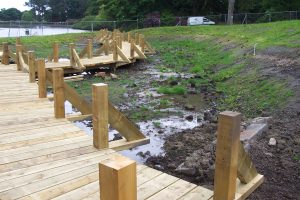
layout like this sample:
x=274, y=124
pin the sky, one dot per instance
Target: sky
x=19, y=4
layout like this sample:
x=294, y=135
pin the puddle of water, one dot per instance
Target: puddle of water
x=156, y=130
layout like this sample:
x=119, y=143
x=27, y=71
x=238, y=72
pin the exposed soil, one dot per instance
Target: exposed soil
x=190, y=154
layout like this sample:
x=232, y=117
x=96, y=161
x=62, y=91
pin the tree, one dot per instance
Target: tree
x=230, y=11
x=39, y=7
x=27, y=16
x=11, y=14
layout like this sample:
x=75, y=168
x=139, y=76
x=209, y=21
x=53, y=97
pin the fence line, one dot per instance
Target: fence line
x=22, y=28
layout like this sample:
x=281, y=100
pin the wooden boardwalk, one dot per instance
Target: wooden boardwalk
x=46, y=158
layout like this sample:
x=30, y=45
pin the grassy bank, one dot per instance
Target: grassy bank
x=42, y=45
x=222, y=57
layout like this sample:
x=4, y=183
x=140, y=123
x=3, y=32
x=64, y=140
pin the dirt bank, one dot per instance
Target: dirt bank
x=190, y=154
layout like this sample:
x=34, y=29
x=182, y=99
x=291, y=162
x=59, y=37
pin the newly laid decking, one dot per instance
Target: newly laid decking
x=46, y=158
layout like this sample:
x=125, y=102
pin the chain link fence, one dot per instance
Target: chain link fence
x=22, y=28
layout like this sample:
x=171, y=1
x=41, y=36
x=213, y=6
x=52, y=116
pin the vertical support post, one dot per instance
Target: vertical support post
x=124, y=36
x=228, y=140
x=5, y=55
x=115, y=51
x=106, y=47
x=42, y=78
x=90, y=49
x=129, y=36
x=142, y=43
x=100, y=116
x=132, y=48
x=31, y=66
x=18, y=41
x=18, y=51
x=55, y=52
x=117, y=178
x=72, y=60
x=59, y=94
x=119, y=39
x=137, y=38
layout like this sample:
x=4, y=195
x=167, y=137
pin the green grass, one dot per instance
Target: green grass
x=172, y=90
x=42, y=45
x=286, y=33
x=214, y=53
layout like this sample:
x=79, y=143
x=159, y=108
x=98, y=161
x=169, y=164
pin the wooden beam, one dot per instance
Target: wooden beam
x=77, y=61
x=139, y=52
x=100, y=116
x=90, y=49
x=123, y=144
x=5, y=54
x=18, y=51
x=71, y=48
x=22, y=63
x=55, y=52
x=149, y=48
x=106, y=47
x=115, y=51
x=132, y=48
x=142, y=43
x=129, y=37
x=117, y=178
x=42, y=78
x=58, y=92
x=31, y=66
x=227, y=155
x=122, y=55
x=246, y=169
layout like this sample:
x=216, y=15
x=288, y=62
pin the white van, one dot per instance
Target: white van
x=199, y=21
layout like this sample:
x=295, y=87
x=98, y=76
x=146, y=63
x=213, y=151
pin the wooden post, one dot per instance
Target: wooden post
x=31, y=66
x=100, y=116
x=117, y=178
x=90, y=49
x=132, y=48
x=228, y=140
x=5, y=55
x=18, y=41
x=59, y=94
x=72, y=60
x=129, y=36
x=106, y=47
x=124, y=38
x=115, y=51
x=42, y=78
x=18, y=51
x=142, y=43
x=137, y=38
x=119, y=41
x=55, y=52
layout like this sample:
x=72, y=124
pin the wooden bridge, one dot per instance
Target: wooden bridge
x=43, y=155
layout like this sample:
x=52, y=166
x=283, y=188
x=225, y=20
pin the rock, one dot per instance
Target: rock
x=100, y=74
x=144, y=155
x=160, y=131
x=159, y=167
x=126, y=95
x=192, y=92
x=185, y=170
x=189, y=117
x=272, y=142
x=189, y=107
x=113, y=76
x=207, y=116
x=171, y=166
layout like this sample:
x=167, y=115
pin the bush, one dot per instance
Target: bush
x=172, y=90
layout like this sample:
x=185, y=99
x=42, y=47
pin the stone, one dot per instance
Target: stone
x=173, y=82
x=272, y=142
x=100, y=74
x=113, y=76
x=160, y=131
x=126, y=95
x=189, y=117
x=185, y=170
x=189, y=107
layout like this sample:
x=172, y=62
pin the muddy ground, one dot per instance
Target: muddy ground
x=190, y=154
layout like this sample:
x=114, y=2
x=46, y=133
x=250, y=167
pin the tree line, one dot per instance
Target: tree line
x=63, y=10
